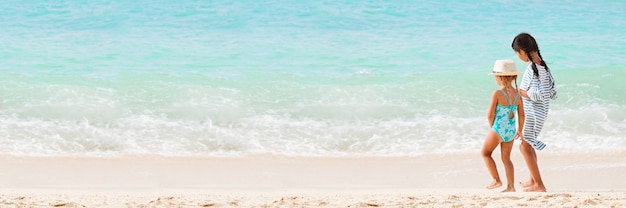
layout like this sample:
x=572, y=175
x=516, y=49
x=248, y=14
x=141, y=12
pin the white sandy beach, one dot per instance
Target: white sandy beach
x=313, y=198
x=590, y=180
x=274, y=103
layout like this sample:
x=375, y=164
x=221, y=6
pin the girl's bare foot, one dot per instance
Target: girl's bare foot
x=509, y=189
x=535, y=188
x=495, y=184
x=527, y=184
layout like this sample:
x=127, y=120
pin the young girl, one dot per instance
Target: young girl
x=505, y=103
x=537, y=89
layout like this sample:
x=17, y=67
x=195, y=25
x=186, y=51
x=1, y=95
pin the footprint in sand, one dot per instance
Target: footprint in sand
x=67, y=204
x=206, y=204
x=373, y=204
x=558, y=195
x=590, y=202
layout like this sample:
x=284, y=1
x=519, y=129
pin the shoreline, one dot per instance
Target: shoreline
x=453, y=180
x=561, y=172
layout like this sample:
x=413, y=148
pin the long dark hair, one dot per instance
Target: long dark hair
x=525, y=42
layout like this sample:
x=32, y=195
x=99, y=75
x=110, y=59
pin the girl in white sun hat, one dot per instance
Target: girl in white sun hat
x=505, y=102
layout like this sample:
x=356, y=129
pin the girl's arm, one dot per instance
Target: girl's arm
x=521, y=118
x=534, y=94
x=491, y=113
x=523, y=93
x=525, y=89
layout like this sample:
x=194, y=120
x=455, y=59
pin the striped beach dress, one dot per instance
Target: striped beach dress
x=540, y=91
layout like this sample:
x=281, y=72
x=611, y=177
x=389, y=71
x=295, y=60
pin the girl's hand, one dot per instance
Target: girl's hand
x=523, y=93
x=519, y=135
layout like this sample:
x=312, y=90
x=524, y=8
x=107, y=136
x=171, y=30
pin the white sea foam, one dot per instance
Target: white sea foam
x=283, y=135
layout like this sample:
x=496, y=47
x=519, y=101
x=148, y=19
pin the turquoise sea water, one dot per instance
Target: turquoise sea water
x=319, y=78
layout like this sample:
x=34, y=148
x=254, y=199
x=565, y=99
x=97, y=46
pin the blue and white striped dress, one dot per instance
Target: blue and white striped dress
x=540, y=90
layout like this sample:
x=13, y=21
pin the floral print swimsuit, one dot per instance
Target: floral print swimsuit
x=504, y=123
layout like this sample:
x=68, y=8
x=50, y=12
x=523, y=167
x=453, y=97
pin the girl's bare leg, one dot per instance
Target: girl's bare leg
x=531, y=181
x=491, y=142
x=505, y=151
x=530, y=156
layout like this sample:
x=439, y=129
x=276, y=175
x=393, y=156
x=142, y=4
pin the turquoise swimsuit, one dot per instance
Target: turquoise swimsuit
x=503, y=124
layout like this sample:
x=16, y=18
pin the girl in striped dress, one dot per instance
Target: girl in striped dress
x=537, y=89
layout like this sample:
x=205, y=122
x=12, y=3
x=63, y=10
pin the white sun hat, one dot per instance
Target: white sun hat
x=504, y=67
